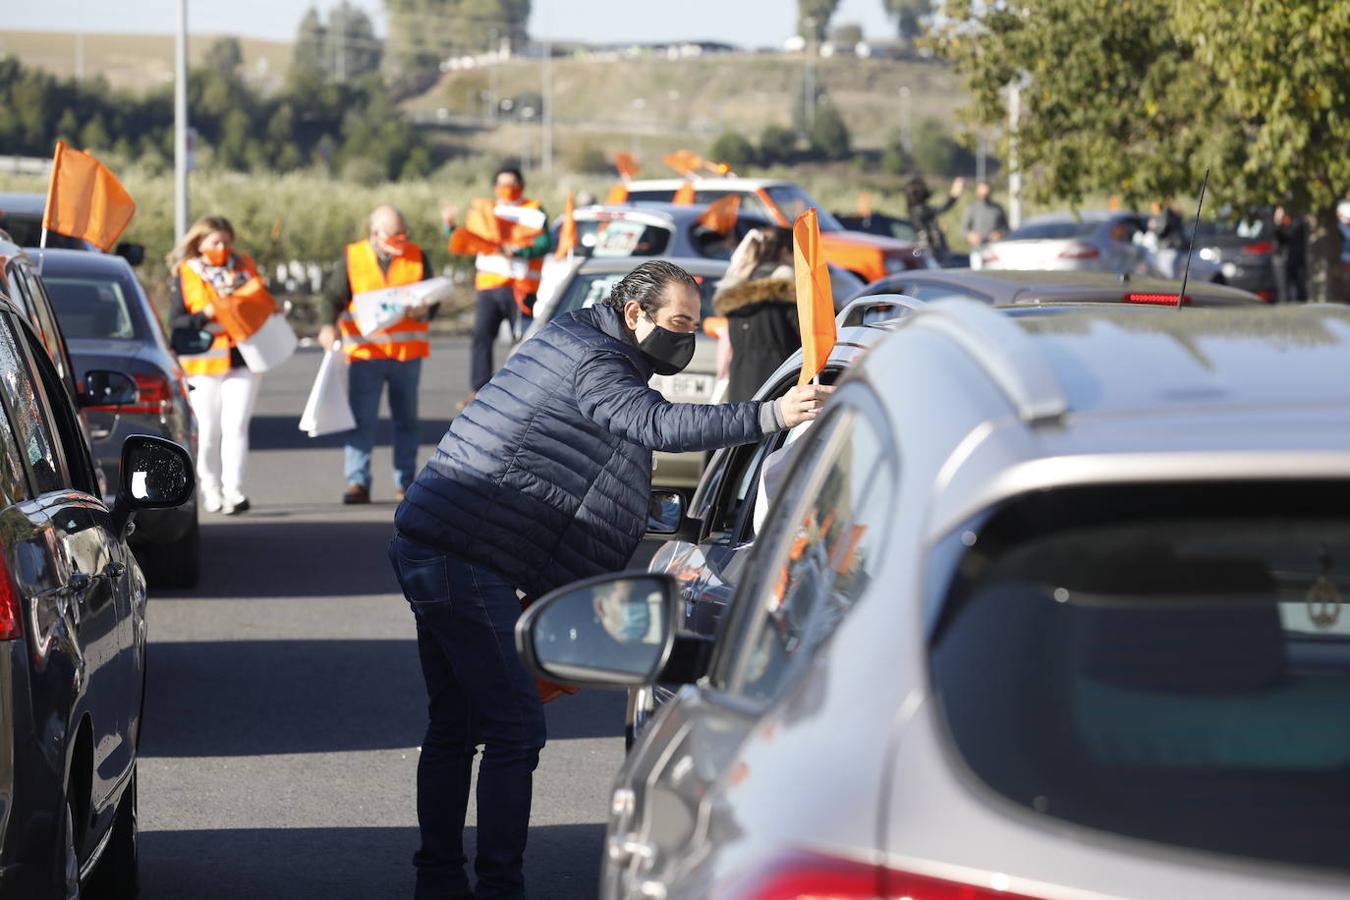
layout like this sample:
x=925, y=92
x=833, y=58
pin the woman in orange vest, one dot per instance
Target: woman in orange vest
x=206, y=267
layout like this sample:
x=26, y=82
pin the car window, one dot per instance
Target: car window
x=43, y=322
x=609, y=238
x=750, y=202
x=71, y=441
x=817, y=554
x=33, y=426
x=93, y=308
x=13, y=481
x=589, y=288
x=792, y=201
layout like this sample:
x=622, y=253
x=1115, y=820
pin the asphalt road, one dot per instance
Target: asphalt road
x=286, y=705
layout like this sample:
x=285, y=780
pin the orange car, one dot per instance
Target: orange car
x=868, y=256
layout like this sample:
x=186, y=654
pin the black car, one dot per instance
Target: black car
x=109, y=324
x=1244, y=253
x=72, y=626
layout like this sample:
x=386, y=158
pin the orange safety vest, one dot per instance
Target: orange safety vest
x=198, y=293
x=522, y=275
x=404, y=340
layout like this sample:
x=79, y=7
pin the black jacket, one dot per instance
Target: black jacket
x=762, y=326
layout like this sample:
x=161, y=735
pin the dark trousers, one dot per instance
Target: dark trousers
x=491, y=309
x=478, y=693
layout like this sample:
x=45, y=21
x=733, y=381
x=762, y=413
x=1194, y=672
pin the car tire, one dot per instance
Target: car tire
x=117, y=874
x=176, y=564
x=65, y=883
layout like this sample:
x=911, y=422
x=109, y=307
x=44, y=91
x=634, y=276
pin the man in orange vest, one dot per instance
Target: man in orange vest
x=391, y=356
x=506, y=282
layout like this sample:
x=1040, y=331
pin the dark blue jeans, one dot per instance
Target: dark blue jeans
x=491, y=309
x=478, y=692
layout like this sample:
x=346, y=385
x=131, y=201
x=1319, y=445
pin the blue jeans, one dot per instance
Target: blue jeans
x=366, y=379
x=478, y=693
x=491, y=309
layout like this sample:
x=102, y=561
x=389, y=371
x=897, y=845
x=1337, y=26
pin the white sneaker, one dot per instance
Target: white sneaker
x=235, y=504
x=211, y=501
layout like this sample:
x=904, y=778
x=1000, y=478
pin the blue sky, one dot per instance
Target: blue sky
x=749, y=22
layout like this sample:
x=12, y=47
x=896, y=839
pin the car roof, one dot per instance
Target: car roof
x=692, y=265
x=1023, y=287
x=79, y=262
x=730, y=183
x=24, y=204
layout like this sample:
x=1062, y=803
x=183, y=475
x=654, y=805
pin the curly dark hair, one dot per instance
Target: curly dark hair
x=647, y=285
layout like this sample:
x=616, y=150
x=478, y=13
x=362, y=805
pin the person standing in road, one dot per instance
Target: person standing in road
x=389, y=357
x=543, y=479
x=1290, y=261
x=985, y=220
x=924, y=218
x=205, y=267
x=507, y=282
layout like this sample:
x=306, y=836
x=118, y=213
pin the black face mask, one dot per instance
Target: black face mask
x=668, y=351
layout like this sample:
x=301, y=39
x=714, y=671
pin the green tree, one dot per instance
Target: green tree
x=94, y=136
x=907, y=15
x=937, y=152
x=307, y=55
x=895, y=157
x=352, y=48
x=777, y=144
x=732, y=148
x=829, y=135
x=68, y=126
x=813, y=18
x=1163, y=89
x=847, y=35
x=225, y=55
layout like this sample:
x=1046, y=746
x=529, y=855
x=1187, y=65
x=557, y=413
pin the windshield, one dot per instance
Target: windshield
x=1051, y=231
x=590, y=288
x=792, y=201
x=608, y=238
x=1168, y=663
x=93, y=309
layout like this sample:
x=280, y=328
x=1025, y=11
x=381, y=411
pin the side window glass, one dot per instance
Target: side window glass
x=46, y=326
x=819, y=557
x=28, y=412
x=13, y=482
x=65, y=424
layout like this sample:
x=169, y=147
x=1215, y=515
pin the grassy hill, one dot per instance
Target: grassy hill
x=138, y=62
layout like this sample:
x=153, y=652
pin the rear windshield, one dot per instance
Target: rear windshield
x=590, y=288
x=1166, y=663
x=1053, y=231
x=621, y=237
x=94, y=309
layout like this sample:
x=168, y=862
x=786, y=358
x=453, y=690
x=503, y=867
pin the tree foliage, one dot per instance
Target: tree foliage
x=1139, y=98
x=423, y=33
x=829, y=137
x=813, y=18
x=732, y=148
x=907, y=15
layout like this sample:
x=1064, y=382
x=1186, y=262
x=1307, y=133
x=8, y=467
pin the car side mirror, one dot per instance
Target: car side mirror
x=190, y=341
x=665, y=512
x=107, y=388
x=612, y=631
x=131, y=252
x=156, y=474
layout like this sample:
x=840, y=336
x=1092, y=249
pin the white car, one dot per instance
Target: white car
x=1047, y=606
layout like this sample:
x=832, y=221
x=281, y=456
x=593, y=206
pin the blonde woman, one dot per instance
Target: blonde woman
x=205, y=267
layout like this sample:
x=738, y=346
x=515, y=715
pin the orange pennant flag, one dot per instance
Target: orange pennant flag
x=684, y=161
x=627, y=165
x=721, y=214
x=85, y=200
x=815, y=302
x=618, y=195
x=567, y=233
x=480, y=233
x=685, y=195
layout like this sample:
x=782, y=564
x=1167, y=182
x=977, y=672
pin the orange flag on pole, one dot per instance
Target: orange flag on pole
x=721, y=214
x=627, y=165
x=815, y=302
x=567, y=233
x=618, y=195
x=865, y=205
x=685, y=195
x=85, y=200
x=685, y=162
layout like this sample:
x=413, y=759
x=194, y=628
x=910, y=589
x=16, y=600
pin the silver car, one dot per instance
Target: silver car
x=1090, y=242
x=1047, y=606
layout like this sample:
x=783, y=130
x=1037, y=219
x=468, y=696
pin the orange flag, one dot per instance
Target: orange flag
x=685, y=195
x=480, y=233
x=684, y=161
x=815, y=302
x=627, y=165
x=567, y=234
x=85, y=200
x=721, y=214
x=865, y=204
x=618, y=195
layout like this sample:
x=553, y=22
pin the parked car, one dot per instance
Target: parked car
x=21, y=218
x=879, y=223
x=109, y=324
x=1064, y=622
x=1012, y=287
x=72, y=627
x=1244, y=256
x=868, y=256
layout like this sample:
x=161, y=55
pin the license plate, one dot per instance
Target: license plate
x=685, y=388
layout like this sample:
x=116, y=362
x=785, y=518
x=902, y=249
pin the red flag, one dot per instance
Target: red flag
x=85, y=200
x=721, y=214
x=686, y=162
x=627, y=166
x=685, y=195
x=815, y=302
x=567, y=234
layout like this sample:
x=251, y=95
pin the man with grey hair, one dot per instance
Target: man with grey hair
x=391, y=356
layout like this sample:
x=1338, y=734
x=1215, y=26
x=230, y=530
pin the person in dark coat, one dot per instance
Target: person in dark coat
x=543, y=479
x=758, y=296
x=1290, y=261
x=924, y=218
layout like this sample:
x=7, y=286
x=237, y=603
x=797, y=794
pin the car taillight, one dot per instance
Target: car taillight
x=988, y=256
x=715, y=326
x=1079, y=251
x=10, y=604
x=1157, y=299
x=154, y=396
x=813, y=876
x=1260, y=248
x=1268, y=296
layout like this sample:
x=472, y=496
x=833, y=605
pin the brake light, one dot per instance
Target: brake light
x=1079, y=251
x=1157, y=299
x=1260, y=248
x=154, y=396
x=715, y=326
x=10, y=604
x=1268, y=296
x=989, y=256
x=813, y=876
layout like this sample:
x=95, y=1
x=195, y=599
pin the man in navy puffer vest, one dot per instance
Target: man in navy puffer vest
x=545, y=478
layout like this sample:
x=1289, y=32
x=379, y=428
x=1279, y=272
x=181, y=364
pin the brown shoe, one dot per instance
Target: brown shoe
x=355, y=494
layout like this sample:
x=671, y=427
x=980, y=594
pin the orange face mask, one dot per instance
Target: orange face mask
x=396, y=244
x=216, y=256
x=511, y=193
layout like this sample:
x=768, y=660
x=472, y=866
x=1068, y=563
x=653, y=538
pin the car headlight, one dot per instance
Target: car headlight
x=1209, y=254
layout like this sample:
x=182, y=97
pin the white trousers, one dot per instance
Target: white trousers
x=223, y=405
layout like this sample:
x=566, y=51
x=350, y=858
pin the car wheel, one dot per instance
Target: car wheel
x=173, y=565
x=66, y=883
x=116, y=876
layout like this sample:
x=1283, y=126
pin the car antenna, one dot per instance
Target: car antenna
x=1186, y=276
